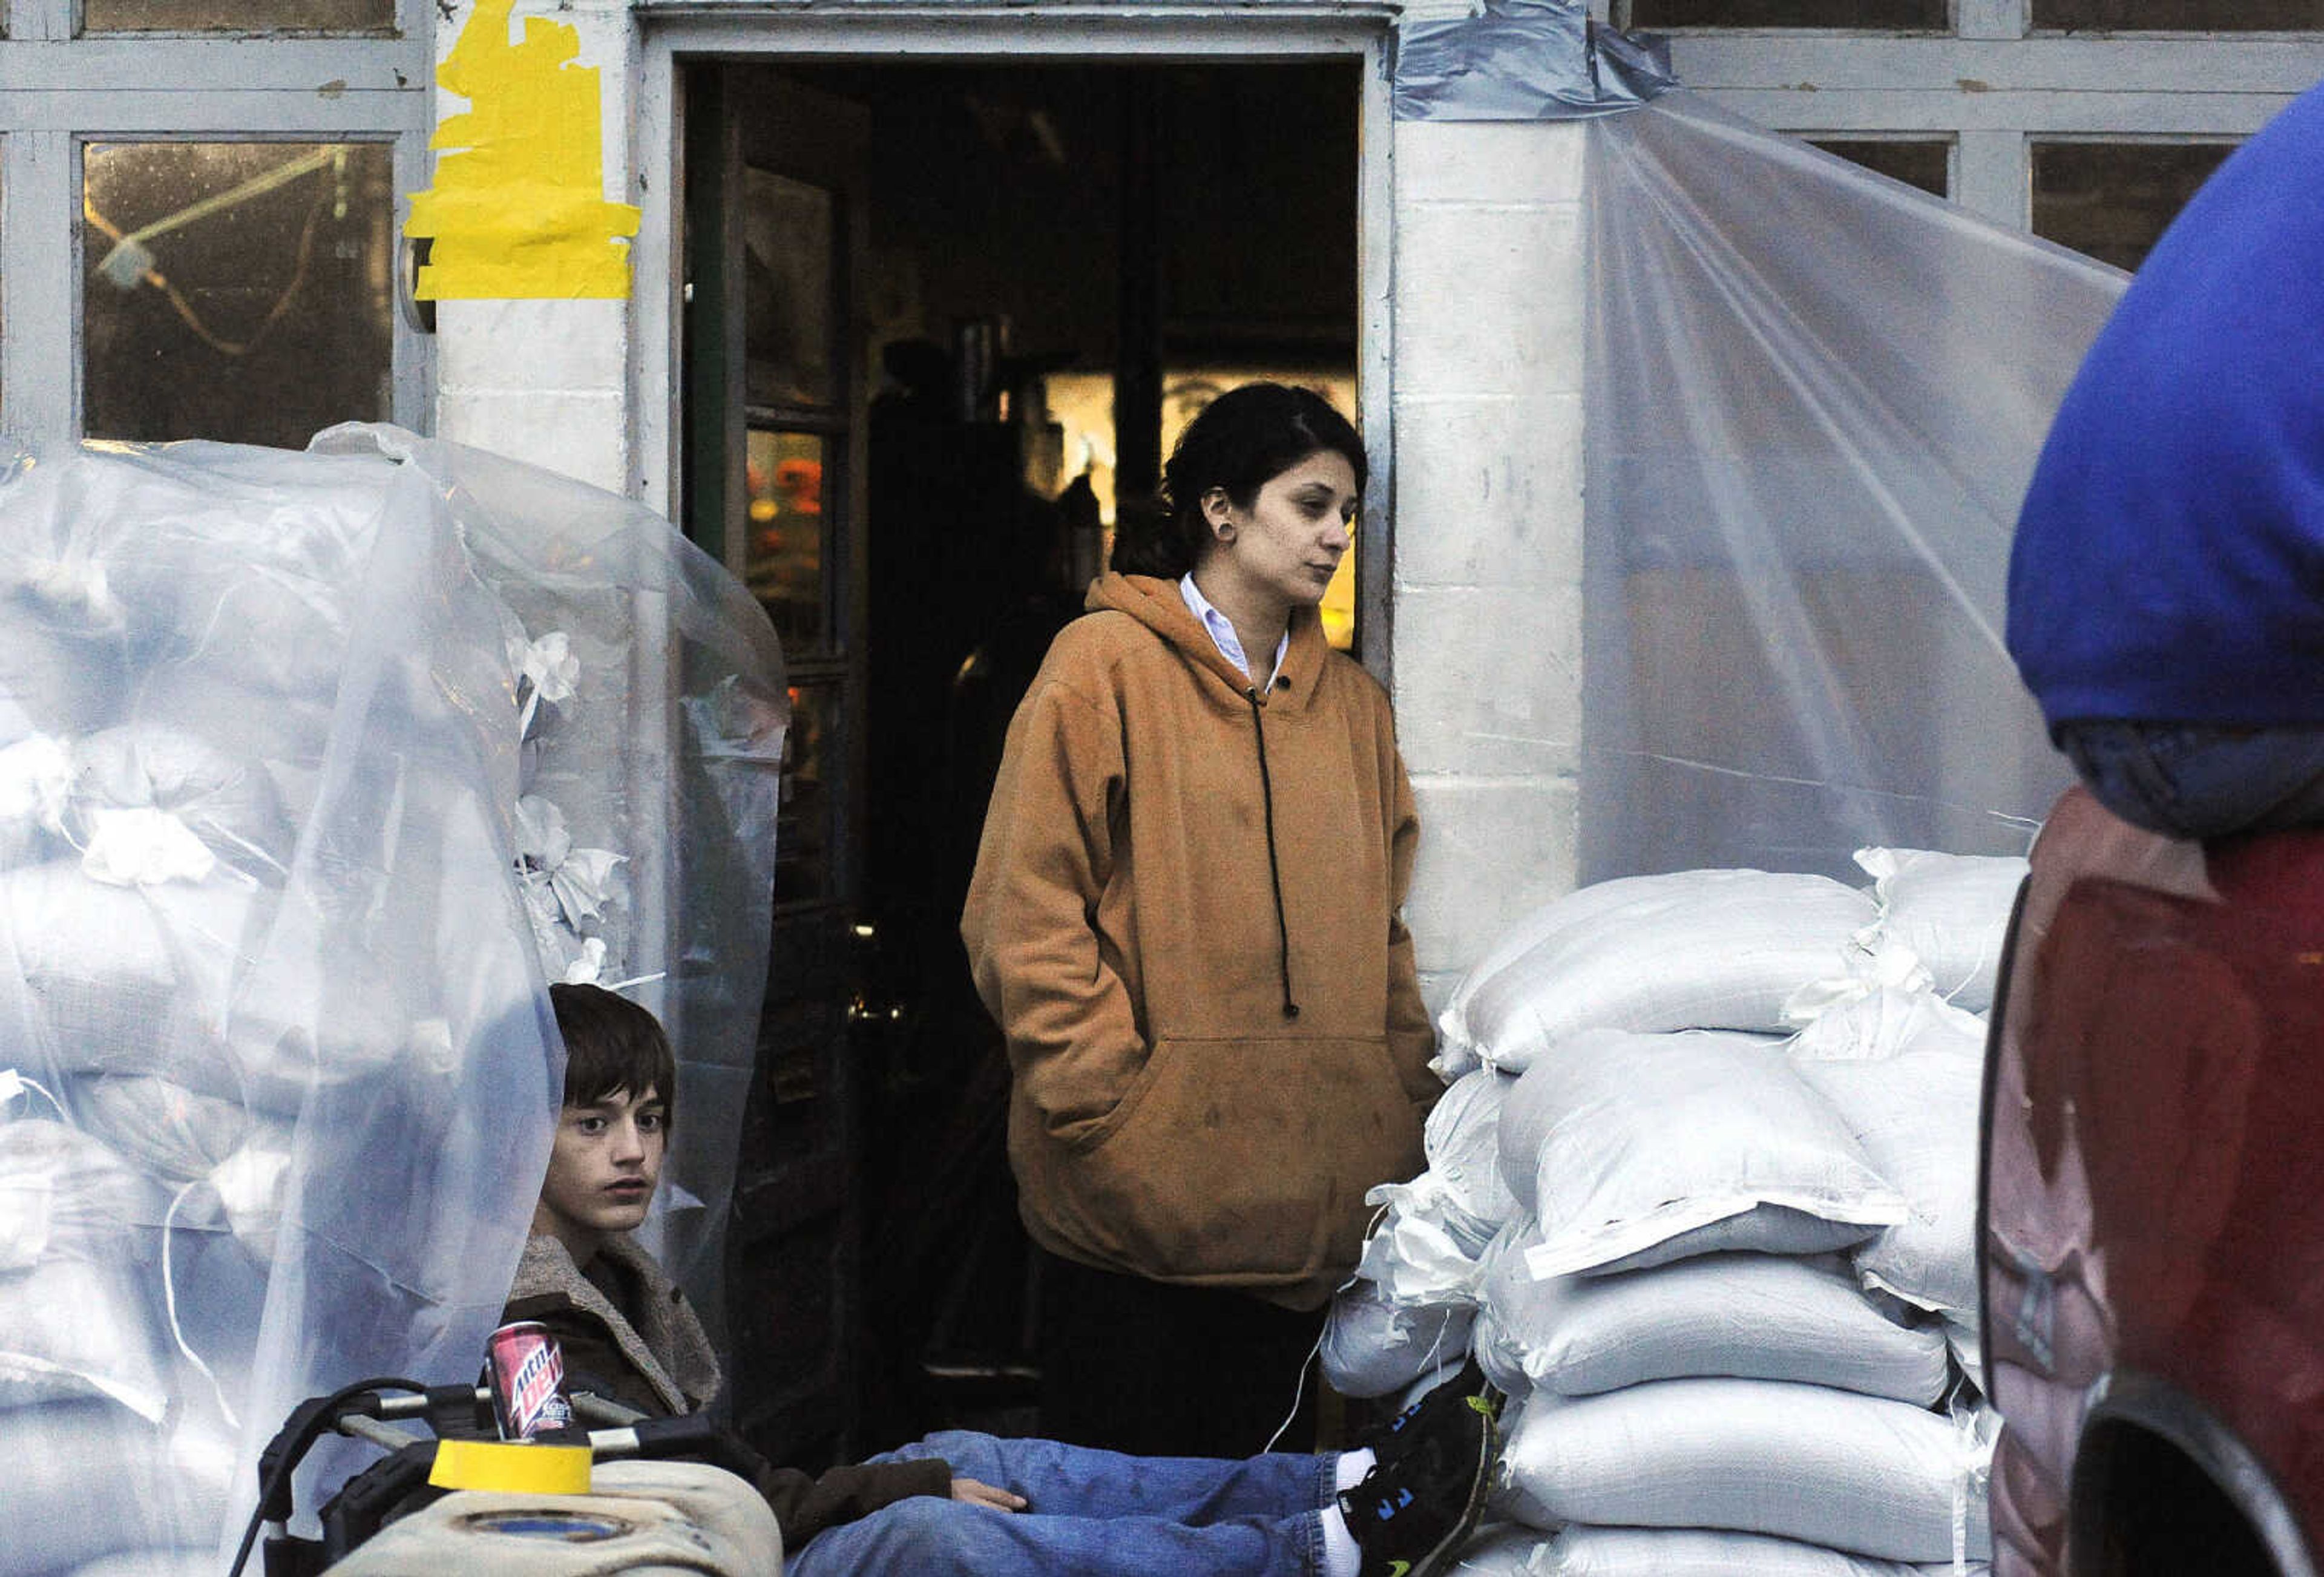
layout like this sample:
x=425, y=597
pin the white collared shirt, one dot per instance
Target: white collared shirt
x=1222, y=631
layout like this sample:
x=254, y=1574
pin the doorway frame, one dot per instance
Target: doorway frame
x=674, y=36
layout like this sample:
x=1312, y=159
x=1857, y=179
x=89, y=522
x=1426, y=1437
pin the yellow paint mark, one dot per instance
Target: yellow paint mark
x=2310, y=959
x=518, y=208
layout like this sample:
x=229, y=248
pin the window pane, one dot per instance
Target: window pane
x=783, y=562
x=2178, y=16
x=235, y=291
x=237, y=15
x=2113, y=200
x=787, y=283
x=1859, y=16
x=1920, y=164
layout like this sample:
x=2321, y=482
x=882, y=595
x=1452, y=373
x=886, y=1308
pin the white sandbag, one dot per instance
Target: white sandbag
x=62, y=1192
x=1691, y=950
x=1622, y=1143
x=1807, y=1463
x=1463, y=1141
x=185, y=981
x=1496, y=1353
x=1508, y=1549
x=86, y=1480
x=1916, y=1114
x=56, y=674
x=164, y=1562
x=225, y=801
x=1952, y=910
x=1748, y=1316
x=1371, y=1346
x=76, y=1327
x=1967, y=1341
x=1688, y=1552
x=1418, y=1250
x=168, y=1130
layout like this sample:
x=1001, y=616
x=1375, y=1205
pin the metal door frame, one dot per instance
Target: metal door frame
x=675, y=35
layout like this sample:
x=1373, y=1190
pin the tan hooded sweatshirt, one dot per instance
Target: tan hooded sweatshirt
x=1184, y=916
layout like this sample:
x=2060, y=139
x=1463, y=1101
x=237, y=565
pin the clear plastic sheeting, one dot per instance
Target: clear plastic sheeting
x=1813, y=400
x=280, y=890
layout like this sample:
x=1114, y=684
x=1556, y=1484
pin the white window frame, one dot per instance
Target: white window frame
x=676, y=31
x=61, y=90
x=1994, y=87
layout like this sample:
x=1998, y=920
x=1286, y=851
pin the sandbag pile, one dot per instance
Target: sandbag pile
x=307, y=785
x=1725, y=1270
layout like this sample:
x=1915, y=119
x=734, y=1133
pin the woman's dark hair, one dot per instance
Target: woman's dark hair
x=1243, y=441
x=612, y=1044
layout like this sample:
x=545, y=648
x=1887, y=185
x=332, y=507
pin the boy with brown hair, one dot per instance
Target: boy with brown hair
x=1031, y=1505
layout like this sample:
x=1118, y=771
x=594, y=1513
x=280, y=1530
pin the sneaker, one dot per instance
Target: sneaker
x=1390, y=1440
x=1410, y=1516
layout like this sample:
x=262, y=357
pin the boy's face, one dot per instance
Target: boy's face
x=603, y=1168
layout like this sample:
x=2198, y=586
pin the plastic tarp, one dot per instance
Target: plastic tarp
x=1813, y=399
x=315, y=770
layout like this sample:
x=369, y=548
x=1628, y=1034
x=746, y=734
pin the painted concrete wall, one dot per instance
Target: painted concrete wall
x=1487, y=376
x=1488, y=551
x=547, y=381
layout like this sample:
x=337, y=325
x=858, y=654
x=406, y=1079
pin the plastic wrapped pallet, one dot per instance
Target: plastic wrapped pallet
x=1744, y=1316
x=277, y=1069
x=1691, y=950
x=1797, y=1462
x=1633, y=1150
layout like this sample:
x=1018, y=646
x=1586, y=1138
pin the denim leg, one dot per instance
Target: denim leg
x=1094, y=1512
x=1077, y=1480
x=2187, y=781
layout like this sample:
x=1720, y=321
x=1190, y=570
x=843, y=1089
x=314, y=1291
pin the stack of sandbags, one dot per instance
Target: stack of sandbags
x=278, y=899
x=1737, y=1267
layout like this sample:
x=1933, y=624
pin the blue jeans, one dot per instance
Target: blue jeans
x=1093, y=1514
x=2192, y=781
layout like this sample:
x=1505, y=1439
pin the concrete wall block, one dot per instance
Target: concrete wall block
x=579, y=434
x=1489, y=162
x=564, y=346
x=1489, y=679
x=1488, y=298
x=1491, y=851
x=1488, y=491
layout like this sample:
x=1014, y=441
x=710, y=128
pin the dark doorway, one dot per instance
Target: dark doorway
x=1034, y=275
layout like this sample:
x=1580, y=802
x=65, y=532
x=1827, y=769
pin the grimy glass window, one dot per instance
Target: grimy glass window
x=2088, y=122
x=241, y=290
x=198, y=241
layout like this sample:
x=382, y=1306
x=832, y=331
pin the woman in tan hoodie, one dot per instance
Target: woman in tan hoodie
x=1185, y=916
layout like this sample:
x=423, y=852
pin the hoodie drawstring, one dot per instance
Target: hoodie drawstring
x=1274, y=869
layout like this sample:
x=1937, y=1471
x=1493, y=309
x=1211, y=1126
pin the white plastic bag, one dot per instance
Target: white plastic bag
x=1692, y=949
x=1744, y=1316
x=1634, y=1149
x=1796, y=1462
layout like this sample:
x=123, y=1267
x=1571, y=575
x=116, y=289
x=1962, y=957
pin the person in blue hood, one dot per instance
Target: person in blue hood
x=2166, y=586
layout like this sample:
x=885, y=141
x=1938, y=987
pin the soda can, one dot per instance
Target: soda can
x=526, y=1371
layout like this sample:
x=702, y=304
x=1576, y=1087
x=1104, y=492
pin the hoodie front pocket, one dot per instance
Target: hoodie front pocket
x=1245, y=1160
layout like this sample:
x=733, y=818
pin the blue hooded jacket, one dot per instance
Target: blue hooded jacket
x=2169, y=562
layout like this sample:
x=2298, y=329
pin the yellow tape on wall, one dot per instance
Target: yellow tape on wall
x=518, y=208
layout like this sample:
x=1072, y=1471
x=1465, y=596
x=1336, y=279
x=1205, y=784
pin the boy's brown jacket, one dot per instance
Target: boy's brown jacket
x=1208, y=1077
x=647, y=1347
